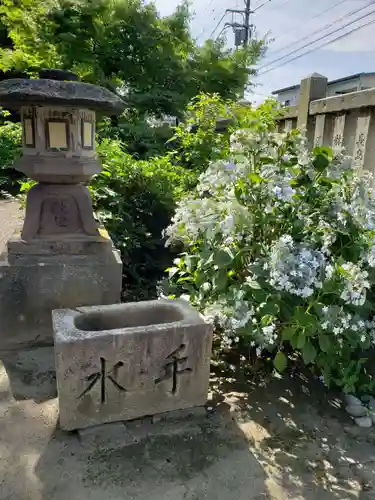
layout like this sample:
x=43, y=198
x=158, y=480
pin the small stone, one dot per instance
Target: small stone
x=371, y=403
x=366, y=475
x=344, y=471
x=351, y=400
x=363, y=422
x=366, y=398
x=356, y=410
x=373, y=418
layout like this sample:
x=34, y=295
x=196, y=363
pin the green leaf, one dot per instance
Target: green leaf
x=253, y=284
x=223, y=257
x=271, y=308
x=255, y=178
x=323, y=150
x=172, y=271
x=220, y=280
x=260, y=295
x=321, y=163
x=324, y=342
x=280, y=362
x=208, y=260
x=288, y=332
x=266, y=320
x=303, y=318
x=371, y=275
x=308, y=353
x=200, y=277
x=185, y=279
x=301, y=340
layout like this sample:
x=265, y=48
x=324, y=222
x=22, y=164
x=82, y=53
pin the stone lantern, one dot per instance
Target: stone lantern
x=61, y=258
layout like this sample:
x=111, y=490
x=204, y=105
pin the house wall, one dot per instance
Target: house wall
x=291, y=95
x=344, y=87
x=367, y=82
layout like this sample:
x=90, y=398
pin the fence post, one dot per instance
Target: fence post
x=313, y=87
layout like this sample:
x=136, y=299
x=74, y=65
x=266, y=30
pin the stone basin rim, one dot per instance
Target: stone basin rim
x=67, y=329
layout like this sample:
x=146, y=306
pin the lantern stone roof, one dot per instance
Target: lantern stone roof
x=18, y=92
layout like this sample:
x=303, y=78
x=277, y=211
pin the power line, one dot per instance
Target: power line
x=267, y=2
x=262, y=5
x=205, y=29
x=218, y=24
x=344, y=35
x=319, y=14
x=205, y=9
x=323, y=36
x=321, y=29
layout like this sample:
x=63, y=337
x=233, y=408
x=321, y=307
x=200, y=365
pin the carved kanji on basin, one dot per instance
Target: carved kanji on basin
x=126, y=361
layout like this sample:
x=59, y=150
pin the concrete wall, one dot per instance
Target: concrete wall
x=353, y=85
x=346, y=120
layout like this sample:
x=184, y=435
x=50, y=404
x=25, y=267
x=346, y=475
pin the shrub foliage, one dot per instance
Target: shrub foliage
x=279, y=252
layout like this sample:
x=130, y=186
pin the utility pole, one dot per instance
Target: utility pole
x=242, y=31
x=247, y=23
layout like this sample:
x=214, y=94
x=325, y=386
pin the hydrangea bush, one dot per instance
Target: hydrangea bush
x=280, y=253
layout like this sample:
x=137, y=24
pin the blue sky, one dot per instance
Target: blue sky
x=288, y=21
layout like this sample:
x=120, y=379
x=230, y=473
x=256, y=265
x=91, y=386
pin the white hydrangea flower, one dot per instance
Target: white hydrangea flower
x=355, y=284
x=370, y=256
x=249, y=219
x=295, y=268
x=283, y=192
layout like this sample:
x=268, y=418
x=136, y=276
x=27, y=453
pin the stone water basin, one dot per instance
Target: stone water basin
x=124, y=361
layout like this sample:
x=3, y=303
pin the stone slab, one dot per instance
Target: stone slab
x=58, y=247
x=125, y=361
x=29, y=291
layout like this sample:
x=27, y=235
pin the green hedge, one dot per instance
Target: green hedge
x=10, y=144
x=135, y=200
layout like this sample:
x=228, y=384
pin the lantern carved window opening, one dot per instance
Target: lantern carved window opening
x=28, y=130
x=59, y=134
x=87, y=134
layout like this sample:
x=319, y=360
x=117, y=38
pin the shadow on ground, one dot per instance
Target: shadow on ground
x=269, y=439
x=301, y=436
x=31, y=373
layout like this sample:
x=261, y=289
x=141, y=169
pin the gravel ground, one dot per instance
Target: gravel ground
x=276, y=439
x=10, y=220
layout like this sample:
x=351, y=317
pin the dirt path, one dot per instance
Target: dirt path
x=281, y=440
x=10, y=220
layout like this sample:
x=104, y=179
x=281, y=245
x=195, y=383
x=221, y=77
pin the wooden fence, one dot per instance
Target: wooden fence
x=344, y=120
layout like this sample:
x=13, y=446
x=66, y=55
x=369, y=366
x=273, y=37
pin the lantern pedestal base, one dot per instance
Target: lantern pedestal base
x=59, y=247
x=59, y=211
x=31, y=286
